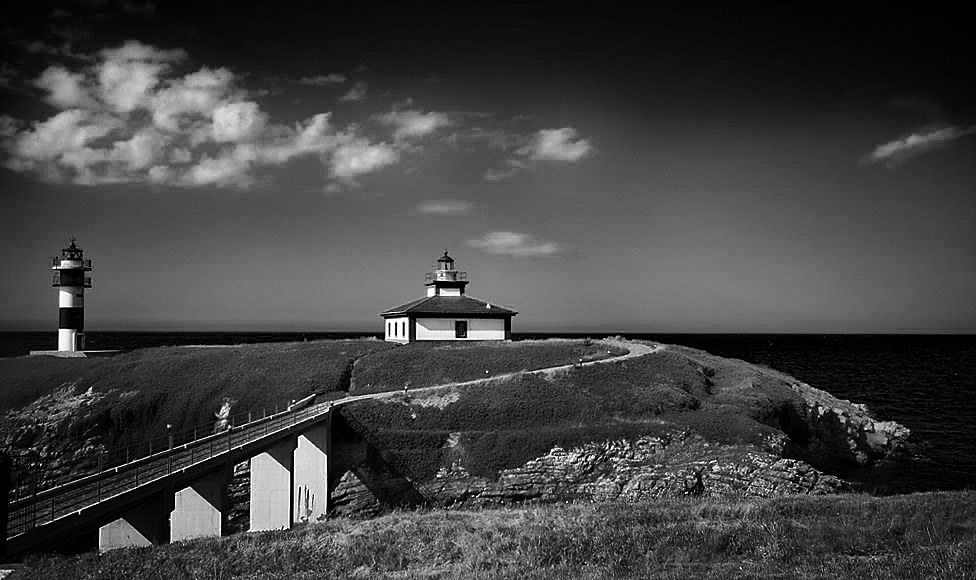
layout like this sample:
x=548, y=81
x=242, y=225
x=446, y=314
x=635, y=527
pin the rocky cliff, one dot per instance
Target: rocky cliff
x=803, y=441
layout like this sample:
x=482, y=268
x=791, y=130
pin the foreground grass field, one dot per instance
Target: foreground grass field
x=907, y=537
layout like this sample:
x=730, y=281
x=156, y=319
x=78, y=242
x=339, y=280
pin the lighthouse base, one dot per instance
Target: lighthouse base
x=76, y=353
x=70, y=339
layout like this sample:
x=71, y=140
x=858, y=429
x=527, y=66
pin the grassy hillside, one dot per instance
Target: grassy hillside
x=837, y=537
x=426, y=364
x=507, y=422
x=134, y=395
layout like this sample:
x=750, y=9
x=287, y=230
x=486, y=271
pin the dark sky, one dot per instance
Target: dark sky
x=275, y=166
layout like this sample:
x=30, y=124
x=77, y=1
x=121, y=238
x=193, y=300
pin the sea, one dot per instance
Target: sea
x=925, y=382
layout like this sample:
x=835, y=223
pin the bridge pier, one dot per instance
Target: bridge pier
x=311, y=475
x=271, y=487
x=142, y=525
x=200, y=509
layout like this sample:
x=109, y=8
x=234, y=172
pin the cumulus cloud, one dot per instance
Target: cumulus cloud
x=359, y=156
x=196, y=94
x=322, y=80
x=237, y=122
x=63, y=142
x=127, y=118
x=66, y=90
x=444, y=207
x=355, y=94
x=514, y=244
x=133, y=50
x=547, y=145
x=893, y=153
x=557, y=145
x=414, y=124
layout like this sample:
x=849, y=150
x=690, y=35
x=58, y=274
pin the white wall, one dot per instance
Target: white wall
x=432, y=291
x=396, y=329
x=443, y=329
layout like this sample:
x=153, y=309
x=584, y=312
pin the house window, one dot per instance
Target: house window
x=460, y=329
x=404, y=332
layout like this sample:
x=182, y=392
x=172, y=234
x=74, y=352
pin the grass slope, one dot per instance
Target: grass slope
x=505, y=423
x=844, y=537
x=182, y=386
x=423, y=364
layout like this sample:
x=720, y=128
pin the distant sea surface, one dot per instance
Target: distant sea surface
x=925, y=382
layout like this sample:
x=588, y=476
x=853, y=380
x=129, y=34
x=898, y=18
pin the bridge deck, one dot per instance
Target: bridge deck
x=28, y=515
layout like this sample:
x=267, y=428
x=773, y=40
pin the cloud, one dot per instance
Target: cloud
x=444, y=207
x=355, y=94
x=229, y=169
x=557, y=145
x=126, y=118
x=508, y=168
x=358, y=157
x=514, y=244
x=237, y=122
x=133, y=50
x=322, y=80
x=8, y=126
x=66, y=90
x=894, y=153
x=414, y=124
x=63, y=142
x=196, y=94
x=140, y=152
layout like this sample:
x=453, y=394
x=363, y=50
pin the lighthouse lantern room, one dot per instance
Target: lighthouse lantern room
x=70, y=280
x=446, y=312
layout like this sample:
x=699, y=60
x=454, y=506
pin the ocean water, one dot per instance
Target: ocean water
x=925, y=382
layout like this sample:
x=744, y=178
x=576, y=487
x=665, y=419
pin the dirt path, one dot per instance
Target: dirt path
x=634, y=349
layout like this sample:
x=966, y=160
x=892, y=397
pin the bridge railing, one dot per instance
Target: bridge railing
x=29, y=478
x=26, y=513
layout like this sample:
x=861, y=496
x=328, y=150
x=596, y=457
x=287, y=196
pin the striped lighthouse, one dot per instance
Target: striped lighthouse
x=71, y=281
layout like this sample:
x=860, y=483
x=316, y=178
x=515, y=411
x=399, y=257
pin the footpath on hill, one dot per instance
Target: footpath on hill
x=634, y=350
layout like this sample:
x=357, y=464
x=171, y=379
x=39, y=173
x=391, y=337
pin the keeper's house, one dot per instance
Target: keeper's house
x=446, y=313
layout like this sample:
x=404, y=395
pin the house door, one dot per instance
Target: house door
x=460, y=329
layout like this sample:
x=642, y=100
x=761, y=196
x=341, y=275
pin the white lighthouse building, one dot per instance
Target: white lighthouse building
x=446, y=312
x=71, y=281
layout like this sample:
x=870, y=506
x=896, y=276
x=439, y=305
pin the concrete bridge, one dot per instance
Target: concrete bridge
x=180, y=493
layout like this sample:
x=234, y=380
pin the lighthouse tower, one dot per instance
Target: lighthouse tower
x=69, y=278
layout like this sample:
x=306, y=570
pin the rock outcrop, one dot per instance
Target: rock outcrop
x=837, y=435
x=650, y=467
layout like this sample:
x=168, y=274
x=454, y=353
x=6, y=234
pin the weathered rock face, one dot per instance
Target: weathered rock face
x=649, y=467
x=37, y=434
x=837, y=435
